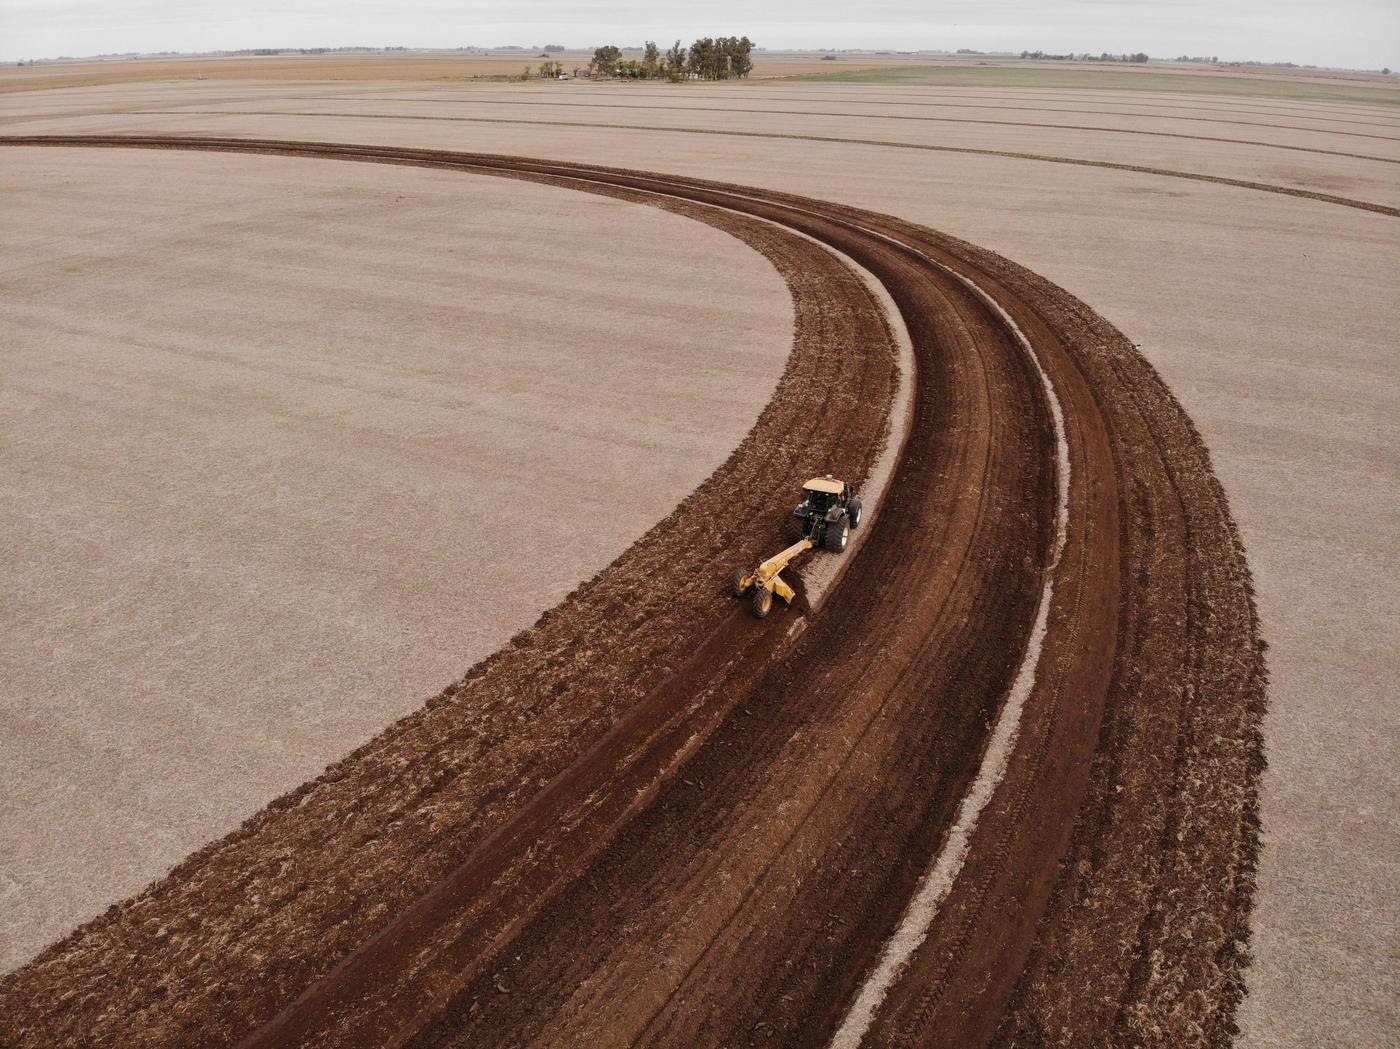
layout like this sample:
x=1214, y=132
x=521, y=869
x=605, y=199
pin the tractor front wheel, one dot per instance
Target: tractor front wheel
x=762, y=602
x=856, y=508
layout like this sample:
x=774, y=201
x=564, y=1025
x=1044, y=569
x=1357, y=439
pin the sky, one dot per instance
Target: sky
x=1362, y=34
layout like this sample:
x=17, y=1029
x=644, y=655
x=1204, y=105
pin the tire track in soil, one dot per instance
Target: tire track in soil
x=747, y=898
x=857, y=116
x=847, y=100
x=1220, y=180
x=1291, y=106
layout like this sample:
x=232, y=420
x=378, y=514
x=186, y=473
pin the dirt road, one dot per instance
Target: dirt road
x=649, y=820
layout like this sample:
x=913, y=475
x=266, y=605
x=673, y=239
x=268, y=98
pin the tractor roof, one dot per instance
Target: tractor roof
x=824, y=484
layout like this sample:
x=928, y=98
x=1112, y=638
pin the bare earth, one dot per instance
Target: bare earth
x=541, y=810
x=199, y=573
x=1271, y=316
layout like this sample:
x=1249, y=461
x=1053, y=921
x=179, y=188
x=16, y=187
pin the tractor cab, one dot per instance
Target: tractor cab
x=822, y=493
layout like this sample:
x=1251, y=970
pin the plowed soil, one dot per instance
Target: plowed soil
x=651, y=820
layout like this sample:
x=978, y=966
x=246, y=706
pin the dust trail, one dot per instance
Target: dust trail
x=938, y=882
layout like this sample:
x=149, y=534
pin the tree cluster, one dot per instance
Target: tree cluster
x=709, y=58
x=720, y=59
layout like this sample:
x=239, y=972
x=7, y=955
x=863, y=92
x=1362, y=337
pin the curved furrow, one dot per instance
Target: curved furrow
x=1139, y=169
x=459, y=99
x=1190, y=102
x=681, y=110
x=952, y=101
x=728, y=849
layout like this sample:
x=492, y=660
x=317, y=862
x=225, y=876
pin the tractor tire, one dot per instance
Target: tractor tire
x=762, y=602
x=855, y=509
x=736, y=583
x=795, y=528
x=836, y=534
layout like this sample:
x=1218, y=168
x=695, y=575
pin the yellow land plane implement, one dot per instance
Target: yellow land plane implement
x=766, y=580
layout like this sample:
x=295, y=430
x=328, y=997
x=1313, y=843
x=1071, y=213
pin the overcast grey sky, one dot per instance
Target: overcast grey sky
x=1354, y=33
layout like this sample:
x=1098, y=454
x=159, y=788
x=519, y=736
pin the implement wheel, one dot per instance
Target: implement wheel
x=736, y=584
x=762, y=602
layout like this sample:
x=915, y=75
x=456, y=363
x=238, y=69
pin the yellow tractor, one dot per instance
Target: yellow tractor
x=825, y=517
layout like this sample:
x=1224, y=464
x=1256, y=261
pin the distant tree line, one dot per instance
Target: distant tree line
x=262, y=51
x=709, y=58
x=1103, y=56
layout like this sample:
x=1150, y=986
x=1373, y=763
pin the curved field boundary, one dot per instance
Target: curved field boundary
x=1376, y=99
x=1262, y=187
x=726, y=855
x=1292, y=106
x=846, y=100
x=938, y=103
x=478, y=99
x=886, y=116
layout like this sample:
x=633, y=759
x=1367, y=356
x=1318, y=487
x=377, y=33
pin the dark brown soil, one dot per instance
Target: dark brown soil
x=650, y=819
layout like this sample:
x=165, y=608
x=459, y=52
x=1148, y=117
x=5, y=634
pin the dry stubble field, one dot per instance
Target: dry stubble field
x=1252, y=263
x=198, y=561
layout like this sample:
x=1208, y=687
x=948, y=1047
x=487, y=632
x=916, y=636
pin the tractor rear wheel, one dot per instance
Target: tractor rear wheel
x=796, y=527
x=736, y=583
x=836, y=534
x=762, y=602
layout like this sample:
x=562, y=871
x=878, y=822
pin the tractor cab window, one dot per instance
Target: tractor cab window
x=820, y=501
